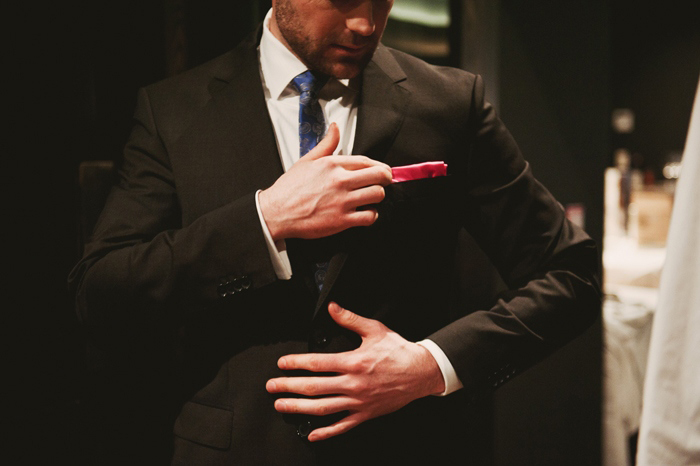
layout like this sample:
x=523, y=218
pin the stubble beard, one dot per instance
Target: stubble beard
x=311, y=51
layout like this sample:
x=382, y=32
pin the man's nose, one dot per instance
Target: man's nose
x=360, y=19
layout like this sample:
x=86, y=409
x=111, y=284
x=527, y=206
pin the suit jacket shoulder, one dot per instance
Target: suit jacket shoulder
x=177, y=100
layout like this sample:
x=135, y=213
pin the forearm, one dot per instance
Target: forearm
x=549, y=267
x=146, y=259
x=121, y=275
x=489, y=347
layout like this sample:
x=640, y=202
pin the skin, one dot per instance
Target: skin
x=383, y=375
x=336, y=37
x=319, y=196
x=320, y=193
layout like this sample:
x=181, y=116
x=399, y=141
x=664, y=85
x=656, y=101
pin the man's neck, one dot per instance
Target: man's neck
x=275, y=30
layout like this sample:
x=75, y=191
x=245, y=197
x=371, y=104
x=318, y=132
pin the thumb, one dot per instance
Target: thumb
x=327, y=145
x=351, y=321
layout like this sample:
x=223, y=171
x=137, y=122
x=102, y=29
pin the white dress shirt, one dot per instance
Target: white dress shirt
x=278, y=66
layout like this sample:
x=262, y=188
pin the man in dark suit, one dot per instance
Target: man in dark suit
x=274, y=294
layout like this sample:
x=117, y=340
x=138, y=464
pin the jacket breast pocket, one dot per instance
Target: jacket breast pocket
x=205, y=425
x=417, y=189
x=410, y=206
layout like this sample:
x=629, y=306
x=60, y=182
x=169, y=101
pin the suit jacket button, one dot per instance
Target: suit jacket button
x=245, y=282
x=222, y=289
x=304, y=429
x=321, y=340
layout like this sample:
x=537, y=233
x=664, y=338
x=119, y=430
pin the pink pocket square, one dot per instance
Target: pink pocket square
x=418, y=171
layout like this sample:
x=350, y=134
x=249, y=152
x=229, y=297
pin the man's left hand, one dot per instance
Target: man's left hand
x=381, y=376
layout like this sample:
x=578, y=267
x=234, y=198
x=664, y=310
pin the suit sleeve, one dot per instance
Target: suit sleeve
x=142, y=264
x=550, y=266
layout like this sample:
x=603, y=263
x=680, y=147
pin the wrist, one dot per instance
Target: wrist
x=434, y=379
x=269, y=216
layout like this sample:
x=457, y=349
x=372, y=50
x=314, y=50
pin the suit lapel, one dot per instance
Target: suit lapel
x=382, y=105
x=248, y=137
x=241, y=122
x=381, y=111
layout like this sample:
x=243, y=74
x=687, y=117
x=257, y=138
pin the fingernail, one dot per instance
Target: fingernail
x=312, y=437
x=282, y=363
x=271, y=386
x=281, y=405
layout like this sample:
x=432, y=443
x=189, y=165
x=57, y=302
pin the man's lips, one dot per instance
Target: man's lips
x=352, y=49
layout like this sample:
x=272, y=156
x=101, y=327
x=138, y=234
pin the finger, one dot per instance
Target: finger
x=314, y=362
x=367, y=176
x=327, y=145
x=357, y=162
x=317, y=406
x=359, y=218
x=310, y=386
x=338, y=428
x=364, y=196
x=361, y=325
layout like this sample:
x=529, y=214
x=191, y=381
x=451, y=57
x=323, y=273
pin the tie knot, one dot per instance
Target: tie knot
x=309, y=83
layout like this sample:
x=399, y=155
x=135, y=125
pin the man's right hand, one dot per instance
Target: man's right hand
x=320, y=194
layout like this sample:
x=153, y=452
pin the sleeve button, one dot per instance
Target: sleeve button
x=304, y=429
x=321, y=340
x=245, y=282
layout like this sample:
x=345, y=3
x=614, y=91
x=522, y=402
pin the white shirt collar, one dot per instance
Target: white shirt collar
x=279, y=65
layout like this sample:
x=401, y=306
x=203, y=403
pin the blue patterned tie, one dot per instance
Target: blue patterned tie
x=312, y=127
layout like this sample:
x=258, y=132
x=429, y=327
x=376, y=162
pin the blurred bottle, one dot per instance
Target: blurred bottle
x=623, y=164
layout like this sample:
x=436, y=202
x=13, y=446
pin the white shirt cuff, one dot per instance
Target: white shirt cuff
x=452, y=382
x=277, y=250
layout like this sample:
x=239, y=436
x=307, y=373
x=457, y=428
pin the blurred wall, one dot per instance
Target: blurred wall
x=655, y=68
x=74, y=70
x=554, y=93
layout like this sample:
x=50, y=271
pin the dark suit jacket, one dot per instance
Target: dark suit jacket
x=177, y=287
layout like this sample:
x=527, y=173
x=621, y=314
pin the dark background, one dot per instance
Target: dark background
x=74, y=71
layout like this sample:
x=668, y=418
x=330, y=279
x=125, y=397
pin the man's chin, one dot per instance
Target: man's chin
x=346, y=69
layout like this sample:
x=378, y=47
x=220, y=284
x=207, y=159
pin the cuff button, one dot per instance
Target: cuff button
x=246, y=282
x=304, y=429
